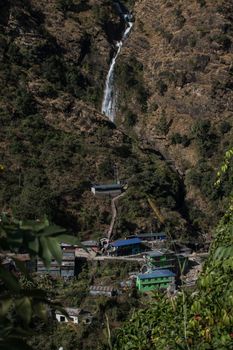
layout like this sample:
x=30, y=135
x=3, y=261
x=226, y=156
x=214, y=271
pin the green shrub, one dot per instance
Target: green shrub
x=65, y=5
x=24, y=103
x=163, y=125
x=206, y=140
x=202, y=3
x=161, y=87
x=225, y=127
x=130, y=118
x=177, y=138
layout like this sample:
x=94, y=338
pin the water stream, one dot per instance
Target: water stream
x=109, y=99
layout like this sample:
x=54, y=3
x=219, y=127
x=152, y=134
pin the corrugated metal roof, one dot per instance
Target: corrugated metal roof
x=156, y=274
x=107, y=187
x=102, y=288
x=90, y=243
x=155, y=254
x=70, y=310
x=125, y=242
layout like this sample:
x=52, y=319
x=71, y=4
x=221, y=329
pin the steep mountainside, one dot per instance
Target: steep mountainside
x=174, y=88
x=175, y=83
x=54, y=143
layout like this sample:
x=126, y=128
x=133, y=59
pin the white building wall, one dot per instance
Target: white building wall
x=60, y=318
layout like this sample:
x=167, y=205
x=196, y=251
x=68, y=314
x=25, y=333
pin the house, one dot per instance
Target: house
x=8, y=262
x=154, y=280
x=158, y=259
x=67, y=269
x=68, y=263
x=75, y=316
x=107, y=291
x=111, y=190
x=129, y=246
x=152, y=236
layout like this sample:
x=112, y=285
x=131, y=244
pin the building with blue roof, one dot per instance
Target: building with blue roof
x=154, y=280
x=127, y=247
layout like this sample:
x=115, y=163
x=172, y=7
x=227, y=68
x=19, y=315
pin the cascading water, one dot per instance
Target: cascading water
x=109, y=99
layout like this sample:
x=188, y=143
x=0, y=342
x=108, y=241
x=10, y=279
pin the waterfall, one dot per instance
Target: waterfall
x=109, y=99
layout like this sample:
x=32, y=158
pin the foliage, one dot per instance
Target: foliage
x=65, y=5
x=201, y=320
x=130, y=82
x=163, y=125
x=177, y=138
x=206, y=139
x=21, y=306
x=225, y=127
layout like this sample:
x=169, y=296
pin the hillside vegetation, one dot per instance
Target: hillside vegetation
x=174, y=79
x=54, y=142
x=199, y=320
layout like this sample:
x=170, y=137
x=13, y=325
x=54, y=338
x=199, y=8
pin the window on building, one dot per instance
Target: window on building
x=62, y=318
x=72, y=319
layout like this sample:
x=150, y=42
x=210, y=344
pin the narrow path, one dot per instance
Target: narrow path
x=119, y=258
x=114, y=214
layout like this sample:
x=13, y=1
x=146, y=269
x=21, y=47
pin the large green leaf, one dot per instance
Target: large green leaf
x=21, y=266
x=34, y=245
x=65, y=238
x=53, y=230
x=5, y=306
x=41, y=311
x=31, y=225
x=9, y=279
x=14, y=344
x=24, y=309
x=44, y=252
x=55, y=249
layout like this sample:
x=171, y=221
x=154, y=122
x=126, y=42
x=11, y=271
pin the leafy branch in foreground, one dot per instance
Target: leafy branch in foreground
x=20, y=307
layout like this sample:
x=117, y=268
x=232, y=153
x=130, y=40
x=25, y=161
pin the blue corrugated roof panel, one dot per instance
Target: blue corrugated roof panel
x=125, y=242
x=107, y=187
x=157, y=274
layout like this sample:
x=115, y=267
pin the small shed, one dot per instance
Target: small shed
x=76, y=316
x=72, y=312
x=107, y=291
x=111, y=190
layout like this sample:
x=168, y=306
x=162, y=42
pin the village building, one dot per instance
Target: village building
x=126, y=247
x=154, y=280
x=107, y=291
x=90, y=244
x=67, y=269
x=76, y=316
x=152, y=236
x=161, y=259
x=111, y=190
